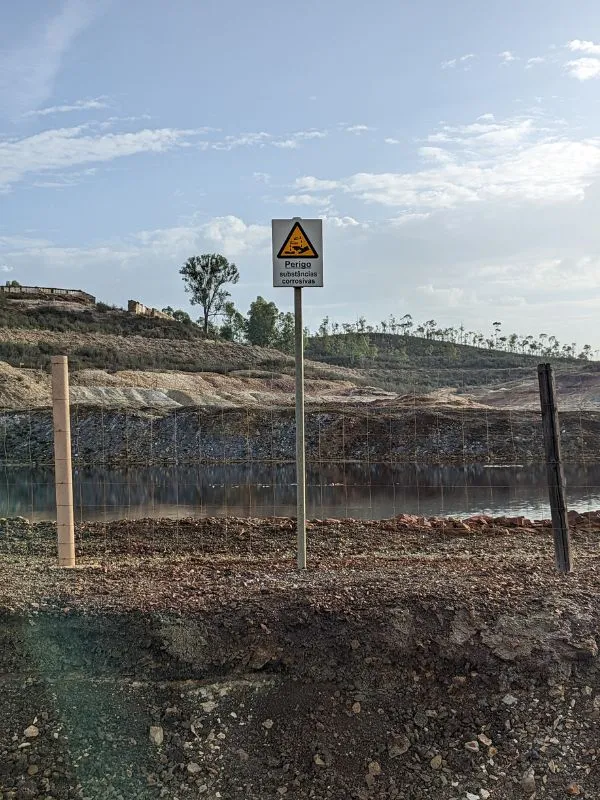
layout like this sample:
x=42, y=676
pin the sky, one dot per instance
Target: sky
x=452, y=150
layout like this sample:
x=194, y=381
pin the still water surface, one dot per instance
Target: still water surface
x=334, y=490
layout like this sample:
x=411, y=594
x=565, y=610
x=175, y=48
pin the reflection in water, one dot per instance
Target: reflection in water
x=334, y=490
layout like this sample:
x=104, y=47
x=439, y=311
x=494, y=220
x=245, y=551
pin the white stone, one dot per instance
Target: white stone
x=156, y=735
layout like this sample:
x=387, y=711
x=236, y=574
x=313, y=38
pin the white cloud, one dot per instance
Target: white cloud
x=358, y=129
x=234, y=237
x=486, y=117
x=286, y=144
x=5, y=268
x=407, y=218
x=453, y=62
x=310, y=184
x=389, y=140
x=228, y=234
x=261, y=139
x=531, y=62
x=28, y=70
x=311, y=134
x=511, y=160
x=66, y=180
x=507, y=56
x=579, y=46
x=262, y=177
x=78, y=105
x=546, y=274
x=70, y=147
x=306, y=200
x=341, y=222
x=435, y=154
x=583, y=68
x=447, y=297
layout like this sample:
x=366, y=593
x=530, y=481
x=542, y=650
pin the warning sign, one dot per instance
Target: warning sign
x=297, y=252
x=297, y=245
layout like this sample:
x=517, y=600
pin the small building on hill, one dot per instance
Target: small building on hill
x=135, y=307
x=15, y=292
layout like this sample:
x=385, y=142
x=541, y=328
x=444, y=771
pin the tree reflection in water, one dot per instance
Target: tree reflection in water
x=334, y=490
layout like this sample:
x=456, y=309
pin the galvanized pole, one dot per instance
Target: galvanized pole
x=300, y=458
x=63, y=474
x=556, y=479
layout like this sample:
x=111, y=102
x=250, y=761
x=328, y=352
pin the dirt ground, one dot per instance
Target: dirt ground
x=415, y=658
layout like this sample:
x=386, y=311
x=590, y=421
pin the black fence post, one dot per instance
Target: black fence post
x=556, y=480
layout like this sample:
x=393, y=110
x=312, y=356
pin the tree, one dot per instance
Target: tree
x=178, y=314
x=285, y=333
x=496, y=326
x=262, y=321
x=12, y=283
x=234, y=327
x=204, y=277
x=406, y=323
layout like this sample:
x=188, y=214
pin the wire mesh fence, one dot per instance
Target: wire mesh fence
x=153, y=447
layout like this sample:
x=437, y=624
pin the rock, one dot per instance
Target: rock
x=436, y=762
x=374, y=768
x=208, y=706
x=485, y=740
x=356, y=708
x=193, y=768
x=573, y=789
x=242, y=754
x=472, y=746
x=33, y=769
x=509, y=700
x=528, y=781
x=318, y=760
x=399, y=746
x=268, y=724
x=471, y=796
x=484, y=794
x=156, y=735
x=31, y=732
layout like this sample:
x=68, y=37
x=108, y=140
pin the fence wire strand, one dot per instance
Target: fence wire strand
x=370, y=454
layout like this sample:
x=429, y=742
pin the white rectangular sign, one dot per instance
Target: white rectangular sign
x=297, y=252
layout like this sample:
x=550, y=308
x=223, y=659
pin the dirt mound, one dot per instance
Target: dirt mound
x=577, y=390
x=20, y=388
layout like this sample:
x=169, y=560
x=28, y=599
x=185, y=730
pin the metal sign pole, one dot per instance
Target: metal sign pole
x=300, y=457
x=298, y=262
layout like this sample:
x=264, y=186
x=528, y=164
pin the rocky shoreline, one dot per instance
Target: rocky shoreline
x=382, y=433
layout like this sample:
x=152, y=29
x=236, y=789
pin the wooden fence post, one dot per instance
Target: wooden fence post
x=556, y=480
x=63, y=473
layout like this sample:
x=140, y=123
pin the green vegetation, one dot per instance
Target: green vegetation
x=101, y=319
x=396, y=354
x=405, y=328
x=204, y=277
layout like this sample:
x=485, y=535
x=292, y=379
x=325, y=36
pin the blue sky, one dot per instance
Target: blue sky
x=453, y=151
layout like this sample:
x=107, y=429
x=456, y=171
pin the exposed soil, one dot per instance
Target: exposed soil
x=416, y=658
x=576, y=390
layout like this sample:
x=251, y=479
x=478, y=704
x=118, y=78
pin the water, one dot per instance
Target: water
x=334, y=490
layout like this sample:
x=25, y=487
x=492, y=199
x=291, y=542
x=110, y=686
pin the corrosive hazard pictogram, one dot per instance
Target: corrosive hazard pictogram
x=297, y=245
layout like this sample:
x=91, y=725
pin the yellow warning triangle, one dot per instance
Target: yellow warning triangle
x=297, y=245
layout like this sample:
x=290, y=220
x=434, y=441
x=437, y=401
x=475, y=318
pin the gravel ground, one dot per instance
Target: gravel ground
x=416, y=658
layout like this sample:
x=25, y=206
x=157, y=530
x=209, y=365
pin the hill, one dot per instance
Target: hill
x=405, y=363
